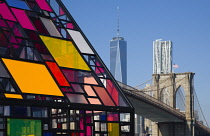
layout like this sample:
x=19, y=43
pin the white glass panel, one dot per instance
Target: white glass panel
x=80, y=41
x=77, y=98
x=50, y=27
x=3, y=72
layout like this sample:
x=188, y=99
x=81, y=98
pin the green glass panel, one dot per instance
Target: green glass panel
x=23, y=127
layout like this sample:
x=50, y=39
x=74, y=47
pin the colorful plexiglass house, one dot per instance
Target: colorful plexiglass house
x=52, y=81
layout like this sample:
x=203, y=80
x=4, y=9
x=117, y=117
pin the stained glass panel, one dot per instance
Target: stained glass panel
x=23, y=18
x=32, y=78
x=80, y=42
x=6, y=13
x=65, y=53
x=23, y=127
x=44, y=5
x=58, y=74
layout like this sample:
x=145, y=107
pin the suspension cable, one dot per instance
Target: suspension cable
x=200, y=107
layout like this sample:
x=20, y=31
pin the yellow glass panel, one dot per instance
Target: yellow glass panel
x=113, y=129
x=16, y=96
x=65, y=54
x=32, y=78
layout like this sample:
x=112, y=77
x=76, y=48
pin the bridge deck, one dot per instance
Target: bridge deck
x=150, y=107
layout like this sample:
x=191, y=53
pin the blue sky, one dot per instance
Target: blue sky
x=185, y=22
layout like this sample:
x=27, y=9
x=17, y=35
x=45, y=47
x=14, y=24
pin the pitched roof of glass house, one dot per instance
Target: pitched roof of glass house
x=52, y=81
x=46, y=57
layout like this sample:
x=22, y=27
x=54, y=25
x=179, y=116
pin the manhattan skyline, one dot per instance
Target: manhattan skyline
x=186, y=23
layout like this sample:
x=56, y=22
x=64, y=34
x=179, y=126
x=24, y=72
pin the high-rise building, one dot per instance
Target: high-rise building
x=162, y=57
x=52, y=81
x=118, y=55
x=118, y=59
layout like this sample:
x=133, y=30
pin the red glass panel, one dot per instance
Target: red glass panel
x=112, y=116
x=41, y=48
x=17, y=31
x=44, y=5
x=32, y=35
x=2, y=23
x=71, y=75
x=112, y=91
x=23, y=18
x=3, y=40
x=11, y=37
x=6, y=13
x=104, y=96
x=115, y=94
x=57, y=74
x=88, y=119
x=39, y=26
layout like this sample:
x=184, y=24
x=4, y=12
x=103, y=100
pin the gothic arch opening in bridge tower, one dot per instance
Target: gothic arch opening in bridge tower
x=180, y=99
x=165, y=96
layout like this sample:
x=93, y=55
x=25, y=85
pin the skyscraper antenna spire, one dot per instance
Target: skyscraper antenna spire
x=118, y=21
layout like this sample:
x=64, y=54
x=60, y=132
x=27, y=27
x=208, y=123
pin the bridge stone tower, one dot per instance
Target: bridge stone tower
x=165, y=89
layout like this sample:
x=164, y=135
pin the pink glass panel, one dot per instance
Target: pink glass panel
x=44, y=5
x=99, y=69
x=23, y=18
x=61, y=12
x=89, y=130
x=81, y=120
x=5, y=12
x=70, y=25
x=104, y=96
x=89, y=90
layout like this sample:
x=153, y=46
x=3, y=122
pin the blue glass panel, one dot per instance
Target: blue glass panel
x=102, y=117
x=18, y=3
x=47, y=134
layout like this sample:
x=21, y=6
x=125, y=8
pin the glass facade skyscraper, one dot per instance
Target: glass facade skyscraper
x=162, y=57
x=118, y=59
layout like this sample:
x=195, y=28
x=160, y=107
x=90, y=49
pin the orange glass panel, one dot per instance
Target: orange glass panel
x=94, y=101
x=32, y=78
x=57, y=73
x=89, y=90
x=16, y=96
x=90, y=80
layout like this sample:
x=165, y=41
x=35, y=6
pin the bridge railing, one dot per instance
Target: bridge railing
x=202, y=126
x=147, y=98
